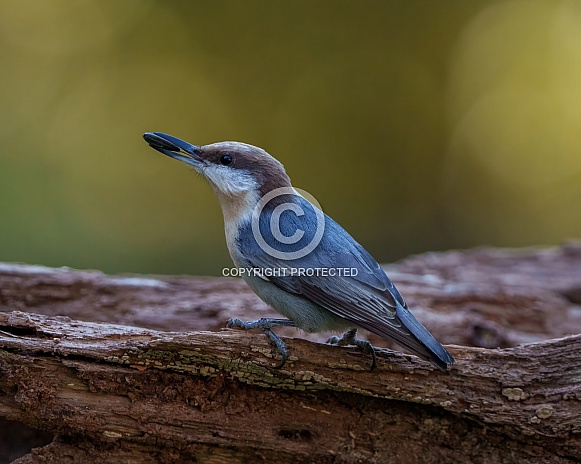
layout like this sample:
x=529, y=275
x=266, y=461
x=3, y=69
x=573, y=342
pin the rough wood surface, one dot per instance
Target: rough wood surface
x=140, y=393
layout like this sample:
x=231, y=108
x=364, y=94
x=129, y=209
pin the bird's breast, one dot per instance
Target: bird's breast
x=237, y=212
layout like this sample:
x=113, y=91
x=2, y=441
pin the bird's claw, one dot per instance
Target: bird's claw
x=348, y=338
x=266, y=324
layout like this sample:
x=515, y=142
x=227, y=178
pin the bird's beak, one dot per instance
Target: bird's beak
x=175, y=148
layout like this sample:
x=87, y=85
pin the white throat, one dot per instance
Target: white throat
x=229, y=181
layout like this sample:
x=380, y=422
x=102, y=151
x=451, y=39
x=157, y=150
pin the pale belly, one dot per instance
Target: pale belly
x=306, y=315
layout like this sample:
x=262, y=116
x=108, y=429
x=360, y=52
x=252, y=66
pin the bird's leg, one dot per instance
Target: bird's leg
x=348, y=338
x=266, y=324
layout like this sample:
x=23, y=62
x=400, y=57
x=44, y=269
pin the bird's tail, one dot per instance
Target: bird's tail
x=434, y=351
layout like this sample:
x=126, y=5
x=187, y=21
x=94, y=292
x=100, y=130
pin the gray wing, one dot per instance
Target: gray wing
x=368, y=298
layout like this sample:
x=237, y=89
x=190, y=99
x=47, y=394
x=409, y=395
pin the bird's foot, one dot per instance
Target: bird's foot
x=348, y=338
x=266, y=324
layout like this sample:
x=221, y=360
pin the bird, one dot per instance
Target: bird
x=296, y=258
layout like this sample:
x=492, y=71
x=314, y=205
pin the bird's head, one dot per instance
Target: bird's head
x=233, y=169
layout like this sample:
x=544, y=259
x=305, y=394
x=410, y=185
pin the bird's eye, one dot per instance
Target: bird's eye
x=226, y=160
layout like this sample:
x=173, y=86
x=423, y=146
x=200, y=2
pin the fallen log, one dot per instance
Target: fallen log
x=161, y=381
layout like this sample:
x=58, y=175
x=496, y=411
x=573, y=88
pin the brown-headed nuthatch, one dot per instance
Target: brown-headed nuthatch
x=296, y=258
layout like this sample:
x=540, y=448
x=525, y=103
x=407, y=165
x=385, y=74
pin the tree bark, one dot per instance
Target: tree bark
x=170, y=385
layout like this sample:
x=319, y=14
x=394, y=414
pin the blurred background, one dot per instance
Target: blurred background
x=418, y=126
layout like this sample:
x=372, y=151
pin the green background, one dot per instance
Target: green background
x=417, y=125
